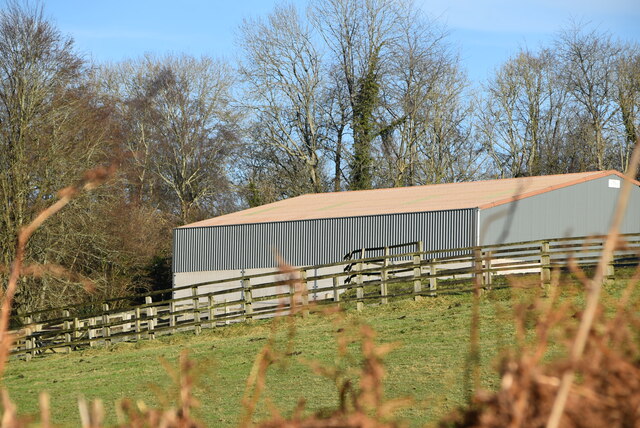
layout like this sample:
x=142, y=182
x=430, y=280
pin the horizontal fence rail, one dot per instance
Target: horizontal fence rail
x=358, y=279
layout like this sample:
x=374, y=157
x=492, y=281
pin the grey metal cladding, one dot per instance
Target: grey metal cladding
x=582, y=209
x=309, y=242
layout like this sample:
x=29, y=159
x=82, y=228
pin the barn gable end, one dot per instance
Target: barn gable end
x=582, y=209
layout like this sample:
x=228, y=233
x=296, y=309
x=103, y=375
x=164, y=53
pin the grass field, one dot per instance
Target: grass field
x=429, y=365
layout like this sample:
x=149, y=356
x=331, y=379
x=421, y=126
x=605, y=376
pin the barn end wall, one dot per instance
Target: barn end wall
x=579, y=210
x=311, y=242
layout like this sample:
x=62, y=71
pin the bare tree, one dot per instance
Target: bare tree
x=53, y=126
x=284, y=87
x=406, y=93
x=130, y=88
x=590, y=62
x=360, y=34
x=268, y=174
x=180, y=129
x=36, y=63
x=627, y=97
x=424, y=117
x=521, y=116
x=448, y=151
x=337, y=116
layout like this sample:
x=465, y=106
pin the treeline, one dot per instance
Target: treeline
x=350, y=94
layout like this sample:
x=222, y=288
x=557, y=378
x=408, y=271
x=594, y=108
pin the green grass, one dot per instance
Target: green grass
x=429, y=364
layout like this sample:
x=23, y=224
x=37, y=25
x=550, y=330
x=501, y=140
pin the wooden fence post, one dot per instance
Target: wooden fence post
x=417, y=273
x=384, y=276
x=37, y=328
x=545, y=266
x=248, y=299
x=126, y=316
x=91, y=333
x=151, y=317
x=433, y=279
x=76, y=328
x=66, y=326
x=477, y=271
x=292, y=296
x=359, y=283
x=106, y=330
x=29, y=339
x=488, y=276
x=305, y=293
x=336, y=294
x=610, y=273
x=136, y=315
x=172, y=317
x=196, y=310
x=211, y=302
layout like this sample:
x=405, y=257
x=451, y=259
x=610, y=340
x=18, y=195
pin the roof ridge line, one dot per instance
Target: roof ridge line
x=480, y=194
x=445, y=184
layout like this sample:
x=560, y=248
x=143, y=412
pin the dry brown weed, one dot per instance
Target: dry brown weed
x=597, y=382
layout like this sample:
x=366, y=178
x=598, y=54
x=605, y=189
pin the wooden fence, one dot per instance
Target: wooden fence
x=356, y=280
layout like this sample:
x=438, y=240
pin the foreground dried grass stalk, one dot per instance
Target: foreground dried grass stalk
x=271, y=353
x=607, y=392
x=594, y=288
x=90, y=181
x=361, y=403
x=180, y=416
x=361, y=400
x=92, y=414
x=598, y=383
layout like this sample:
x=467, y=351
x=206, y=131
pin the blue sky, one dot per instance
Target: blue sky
x=485, y=32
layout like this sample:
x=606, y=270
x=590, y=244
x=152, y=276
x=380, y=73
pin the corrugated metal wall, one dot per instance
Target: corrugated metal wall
x=309, y=242
x=580, y=210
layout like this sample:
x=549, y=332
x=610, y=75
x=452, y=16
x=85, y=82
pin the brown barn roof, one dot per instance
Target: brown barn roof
x=435, y=197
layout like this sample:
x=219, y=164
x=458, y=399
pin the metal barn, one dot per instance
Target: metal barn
x=321, y=228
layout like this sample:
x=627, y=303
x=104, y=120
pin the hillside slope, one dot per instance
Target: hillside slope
x=430, y=363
